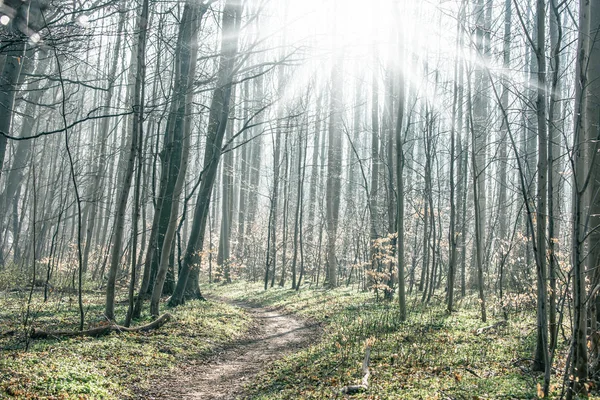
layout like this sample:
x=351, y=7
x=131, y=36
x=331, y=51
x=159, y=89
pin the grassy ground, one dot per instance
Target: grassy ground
x=431, y=356
x=110, y=367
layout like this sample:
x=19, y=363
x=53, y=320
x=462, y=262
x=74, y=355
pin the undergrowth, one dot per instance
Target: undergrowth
x=433, y=355
x=116, y=366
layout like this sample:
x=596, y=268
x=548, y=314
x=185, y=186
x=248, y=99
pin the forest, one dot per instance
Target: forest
x=285, y=199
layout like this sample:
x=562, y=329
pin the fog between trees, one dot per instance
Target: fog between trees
x=422, y=149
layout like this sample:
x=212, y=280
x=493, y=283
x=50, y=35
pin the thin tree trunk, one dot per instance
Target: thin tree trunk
x=400, y=186
x=138, y=103
x=334, y=165
x=95, y=191
x=373, y=235
x=477, y=204
x=554, y=113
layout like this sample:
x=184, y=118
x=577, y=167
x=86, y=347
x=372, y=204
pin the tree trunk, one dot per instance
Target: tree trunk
x=452, y=234
x=400, y=187
x=14, y=50
x=541, y=360
x=334, y=166
x=272, y=234
x=136, y=134
x=585, y=153
x=479, y=122
x=95, y=191
x=477, y=204
x=503, y=153
x=189, y=52
x=217, y=123
x=554, y=178
x=297, y=219
x=224, y=251
x=373, y=235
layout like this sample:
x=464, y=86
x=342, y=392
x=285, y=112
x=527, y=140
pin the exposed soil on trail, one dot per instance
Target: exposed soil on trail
x=224, y=374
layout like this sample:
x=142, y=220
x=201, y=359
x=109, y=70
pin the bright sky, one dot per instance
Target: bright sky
x=356, y=27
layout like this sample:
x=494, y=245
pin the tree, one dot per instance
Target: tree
x=452, y=232
x=224, y=252
x=183, y=105
x=479, y=138
x=503, y=149
x=585, y=183
x=334, y=166
x=592, y=115
x=95, y=190
x=136, y=140
x=373, y=233
x=217, y=123
x=541, y=359
x=271, y=260
x=16, y=44
x=400, y=183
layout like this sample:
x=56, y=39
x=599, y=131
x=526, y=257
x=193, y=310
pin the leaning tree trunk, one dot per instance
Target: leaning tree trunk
x=173, y=143
x=217, y=124
x=188, y=57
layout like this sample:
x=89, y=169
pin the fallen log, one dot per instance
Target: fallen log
x=491, y=327
x=8, y=333
x=364, y=384
x=102, y=330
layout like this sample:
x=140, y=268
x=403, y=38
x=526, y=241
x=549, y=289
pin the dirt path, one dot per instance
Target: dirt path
x=223, y=376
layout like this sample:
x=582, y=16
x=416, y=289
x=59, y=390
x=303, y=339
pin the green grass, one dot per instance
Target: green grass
x=432, y=355
x=109, y=367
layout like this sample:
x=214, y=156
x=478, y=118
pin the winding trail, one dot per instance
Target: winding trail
x=223, y=375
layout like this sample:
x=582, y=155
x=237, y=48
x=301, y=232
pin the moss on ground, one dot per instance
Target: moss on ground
x=109, y=367
x=432, y=355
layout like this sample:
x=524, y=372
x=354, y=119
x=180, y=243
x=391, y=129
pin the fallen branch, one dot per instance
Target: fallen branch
x=8, y=333
x=103, y=330
x=490, y=327
x=364, y=385
x=469, y=370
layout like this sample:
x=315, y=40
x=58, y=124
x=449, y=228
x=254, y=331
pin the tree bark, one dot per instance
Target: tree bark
x=541, y=359
x=334, y=166
x=188, y=56
x=136, y=134
x=217, y=123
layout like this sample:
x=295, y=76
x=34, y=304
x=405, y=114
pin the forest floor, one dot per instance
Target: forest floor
x=115, y=366
x=277, y=344
x=432, y=355
x=223, y=375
